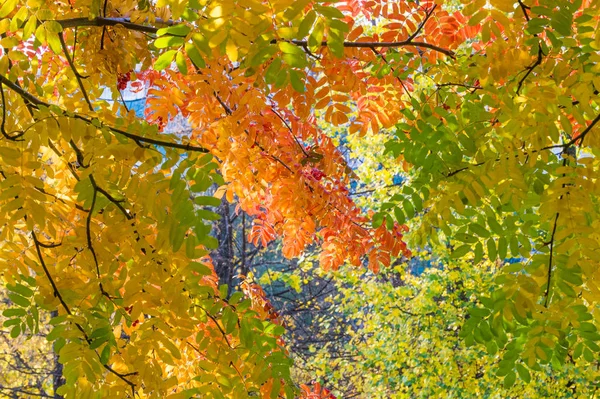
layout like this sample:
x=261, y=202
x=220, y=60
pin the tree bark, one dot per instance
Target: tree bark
x=223, y=255
x=57, y=377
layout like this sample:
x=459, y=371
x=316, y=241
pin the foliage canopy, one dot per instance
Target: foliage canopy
x=489, y=110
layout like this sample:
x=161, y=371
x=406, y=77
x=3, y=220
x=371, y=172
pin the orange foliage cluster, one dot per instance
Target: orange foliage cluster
x=285, y=171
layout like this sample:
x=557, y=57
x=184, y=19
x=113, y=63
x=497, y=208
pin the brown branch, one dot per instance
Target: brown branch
x=564, y=146
x=524, y=8
x=287, y=125
x=88, y=231
x=57, y=294
x=74, y=69
x=393, y=71
x=476, y=87
x=581, y=136
x=55, y=290
x=530, y=68
x=404, y=43
x=104, y=27
x=428, y=15
x=116, y=202
x=102, y=21
x=37, y=102
x=547, y=294
x=3, y=123
x=371, y=190
x=223, y=333
x=126, y=23
x=122, y=377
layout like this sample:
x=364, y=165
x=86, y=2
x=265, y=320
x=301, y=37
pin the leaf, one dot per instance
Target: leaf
x=399, y=215
x=523, y=373
x=296, y=81
x=491, y=249
x=15, y=312
x=105, y=355
x=307, y=23
x=164, y=60
x=207, y=200
x=194, y=55
x=378, y=219
x=19, y=300
x=509, y=380
x=20, y=289
x=175, y=30
x=316, y=37
x=7, y=7
x=263, y=55
x=181, y=64
x=168, y=41
x=460, y=251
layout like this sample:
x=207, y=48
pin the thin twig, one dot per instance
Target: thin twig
x=428, y=15
x=547, y=294
x=530, y=68
x=74, y=69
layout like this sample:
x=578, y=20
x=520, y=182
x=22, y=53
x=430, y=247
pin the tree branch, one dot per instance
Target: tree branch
x=547, y=294
x=530, y=68
x=74, y=69
x=126, y=23
x=37, y=102
x=428, y=15
x=564, y=146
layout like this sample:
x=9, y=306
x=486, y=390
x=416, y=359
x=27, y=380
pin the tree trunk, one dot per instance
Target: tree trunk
x=223, y=255
x=57, y=377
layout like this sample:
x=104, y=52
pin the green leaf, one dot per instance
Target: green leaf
x=207, y=200
x=509, y=379
x=15, y=312
x=329, y=12
x=20, y=289
x=502, y=248
x=195, y=56
x=19, y=300
x=100, y=332
x=399, y=215
x=289, y=48
x=307, y=23
x=181, y=64
x=523, y=373
x=199, y=268
x=168, y=41
x=316, y=37
x=377, y=219
x=491, y=248
x=296, y=81
x=164, y=60
x=408, y=209
x=236, y=297
x=263, y=55
x=460, y=251
x=105, y=355
x=479, y=230
x=15, y=332
x=294, y=60
x=207, y=215
x=478, y=253
x=417, y=201
x=272, y=70
x=175, y=30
